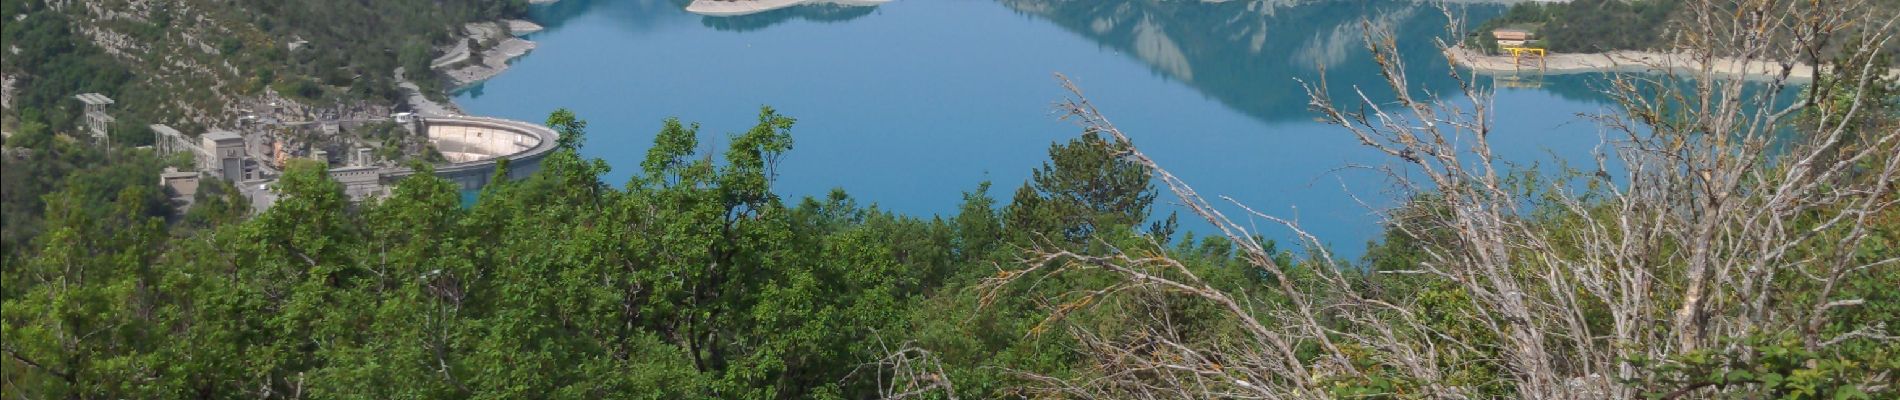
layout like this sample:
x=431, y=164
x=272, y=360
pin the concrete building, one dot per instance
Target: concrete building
x=180, y=186
x=362, y=157
x=218, y=153
x=98, y=123
x=361, y=183
x=1513, y=37
x=223, y=156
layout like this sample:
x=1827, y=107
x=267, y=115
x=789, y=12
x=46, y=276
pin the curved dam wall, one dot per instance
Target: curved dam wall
x=474, y=146
x=469, y=141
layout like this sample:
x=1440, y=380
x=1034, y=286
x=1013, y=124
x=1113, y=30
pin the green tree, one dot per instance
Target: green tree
x=1084, y=187
x=573, y=130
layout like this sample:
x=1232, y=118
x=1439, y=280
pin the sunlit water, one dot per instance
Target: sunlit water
x=908, y=104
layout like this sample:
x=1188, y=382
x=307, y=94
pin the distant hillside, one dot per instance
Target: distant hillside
x=1588, y=26
x=188, y=62
x=1581, y=26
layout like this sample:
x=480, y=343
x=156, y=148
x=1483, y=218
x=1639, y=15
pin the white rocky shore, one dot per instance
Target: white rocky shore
x=463, y=68
x=456, y=63
x=1627, y=61
x=731, y=8
x=519, y=27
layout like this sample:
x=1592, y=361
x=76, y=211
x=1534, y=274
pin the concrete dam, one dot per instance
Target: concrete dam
x=474, y=146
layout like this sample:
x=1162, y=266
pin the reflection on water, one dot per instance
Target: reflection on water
x=642, y=14
x=1248, y=53
x=472, y=91
x=911, y=103
x=652, y=13
x=827, y=12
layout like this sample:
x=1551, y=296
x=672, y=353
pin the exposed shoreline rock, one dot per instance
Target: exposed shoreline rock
x=464, y=68
x=724, y=8
x=519, y=27
x=1626, y=61
x=494, y=61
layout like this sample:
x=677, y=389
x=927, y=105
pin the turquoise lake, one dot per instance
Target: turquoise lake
x=908, y=104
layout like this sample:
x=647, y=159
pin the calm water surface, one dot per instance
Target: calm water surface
x=909, y=104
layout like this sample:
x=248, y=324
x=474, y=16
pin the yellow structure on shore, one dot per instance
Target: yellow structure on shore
x=1518, y=54
x=1518, y=43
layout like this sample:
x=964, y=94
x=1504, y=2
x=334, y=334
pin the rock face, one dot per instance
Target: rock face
x=168, y=59
x=6, y=91
x=201, y=64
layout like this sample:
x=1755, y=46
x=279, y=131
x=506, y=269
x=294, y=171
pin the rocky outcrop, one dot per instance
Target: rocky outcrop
x=464, y=66
x=519, y=27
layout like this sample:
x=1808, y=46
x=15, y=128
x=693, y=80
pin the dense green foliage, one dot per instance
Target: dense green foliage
x=42, y=169
x=693, y=279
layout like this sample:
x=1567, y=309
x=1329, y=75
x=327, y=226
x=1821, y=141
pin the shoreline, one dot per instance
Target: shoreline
x=495, y=61
x=733, y=8
x=464, y=69
x=455, y=66
x=521, y=27
x=1624, y=61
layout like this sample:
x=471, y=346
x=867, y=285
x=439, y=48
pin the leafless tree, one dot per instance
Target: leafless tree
x=1711, y=201
x=906, y=371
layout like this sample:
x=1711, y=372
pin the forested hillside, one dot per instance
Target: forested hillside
x=1585, y=26
x=191, y=64
x=1589, y=26
x=693, y=279
x=188, y=63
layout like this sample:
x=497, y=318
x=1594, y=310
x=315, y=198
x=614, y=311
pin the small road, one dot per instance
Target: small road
x=420, y=103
